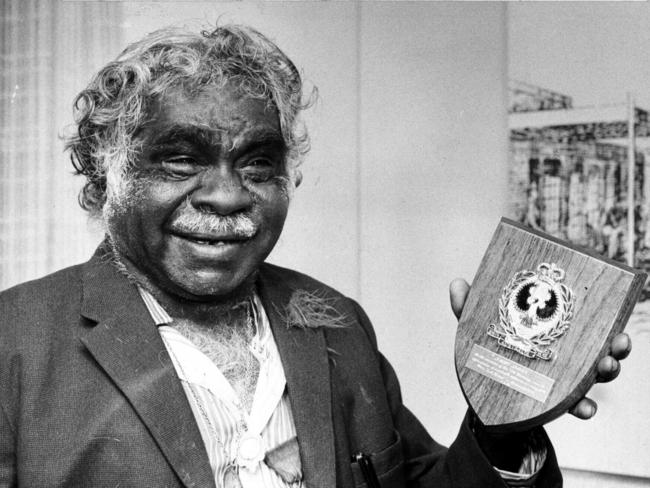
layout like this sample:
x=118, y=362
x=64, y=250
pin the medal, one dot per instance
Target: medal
x=535, y=310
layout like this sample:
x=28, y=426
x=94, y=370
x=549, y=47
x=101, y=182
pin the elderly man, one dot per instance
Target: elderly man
x=176, y=356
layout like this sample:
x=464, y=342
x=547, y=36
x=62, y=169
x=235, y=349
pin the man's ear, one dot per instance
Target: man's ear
x=298, y=178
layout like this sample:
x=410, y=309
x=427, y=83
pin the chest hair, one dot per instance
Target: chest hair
x=227, y=345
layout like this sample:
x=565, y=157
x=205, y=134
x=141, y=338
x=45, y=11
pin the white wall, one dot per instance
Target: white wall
x=574, y=478
x=432, y=181
x=593, y=51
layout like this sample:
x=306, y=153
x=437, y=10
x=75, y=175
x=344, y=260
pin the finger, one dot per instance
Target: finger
x=584, y=409
x=458, y=290
x=608, y=369
x=621, y=346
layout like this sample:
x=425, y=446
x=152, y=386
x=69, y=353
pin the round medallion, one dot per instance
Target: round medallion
x=535, y=309
x=250, y=451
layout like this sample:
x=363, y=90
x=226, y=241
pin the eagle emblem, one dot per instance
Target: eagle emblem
x=535, y=309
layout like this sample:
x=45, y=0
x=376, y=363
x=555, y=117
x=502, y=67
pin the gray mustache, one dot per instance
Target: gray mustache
x=237, y=225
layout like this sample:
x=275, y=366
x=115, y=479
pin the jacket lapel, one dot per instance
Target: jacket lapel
x=305, y=362
x=127, y=345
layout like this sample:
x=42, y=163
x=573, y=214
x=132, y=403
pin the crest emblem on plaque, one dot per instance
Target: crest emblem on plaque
x=535, y=310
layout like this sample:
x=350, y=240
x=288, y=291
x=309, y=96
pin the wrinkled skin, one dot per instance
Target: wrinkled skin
x=216, y=153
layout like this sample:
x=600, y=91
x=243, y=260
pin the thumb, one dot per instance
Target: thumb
x=458, y=290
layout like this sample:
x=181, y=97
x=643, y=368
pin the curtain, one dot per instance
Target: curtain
x=48, y=53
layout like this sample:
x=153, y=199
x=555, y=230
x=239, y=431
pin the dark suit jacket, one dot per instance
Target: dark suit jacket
x=89, y=396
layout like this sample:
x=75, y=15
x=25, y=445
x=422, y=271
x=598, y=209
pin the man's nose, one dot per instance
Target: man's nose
x=221, y=192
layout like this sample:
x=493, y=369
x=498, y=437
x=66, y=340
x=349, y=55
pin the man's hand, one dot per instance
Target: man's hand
x=608, y=367
x=458, y=290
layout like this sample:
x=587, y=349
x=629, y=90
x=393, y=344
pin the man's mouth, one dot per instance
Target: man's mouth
x=213, y=240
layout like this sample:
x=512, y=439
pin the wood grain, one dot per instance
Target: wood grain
x=605, y=294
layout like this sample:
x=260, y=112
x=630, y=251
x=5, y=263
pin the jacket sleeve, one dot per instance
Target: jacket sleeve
x=429, y=464
x=8, y=390
x=7, y=453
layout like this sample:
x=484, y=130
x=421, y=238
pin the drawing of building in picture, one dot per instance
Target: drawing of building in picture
x=569, y=172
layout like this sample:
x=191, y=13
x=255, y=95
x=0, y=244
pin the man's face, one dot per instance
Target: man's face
x=208, y=197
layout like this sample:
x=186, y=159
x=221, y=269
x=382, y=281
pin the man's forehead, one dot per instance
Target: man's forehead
x=213, y=112
x=181, y=133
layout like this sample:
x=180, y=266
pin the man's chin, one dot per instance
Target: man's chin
x=181, y=283
x=216, y=288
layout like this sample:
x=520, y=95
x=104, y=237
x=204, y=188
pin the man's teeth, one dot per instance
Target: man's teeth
x=209, y=242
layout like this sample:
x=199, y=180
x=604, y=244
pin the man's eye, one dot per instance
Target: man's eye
x=259, y=169
x=180, y=167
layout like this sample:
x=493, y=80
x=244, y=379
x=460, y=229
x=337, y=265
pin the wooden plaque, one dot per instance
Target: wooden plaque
x=539, y=316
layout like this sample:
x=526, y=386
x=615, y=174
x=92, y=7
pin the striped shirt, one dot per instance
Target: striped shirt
x=256, y=449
